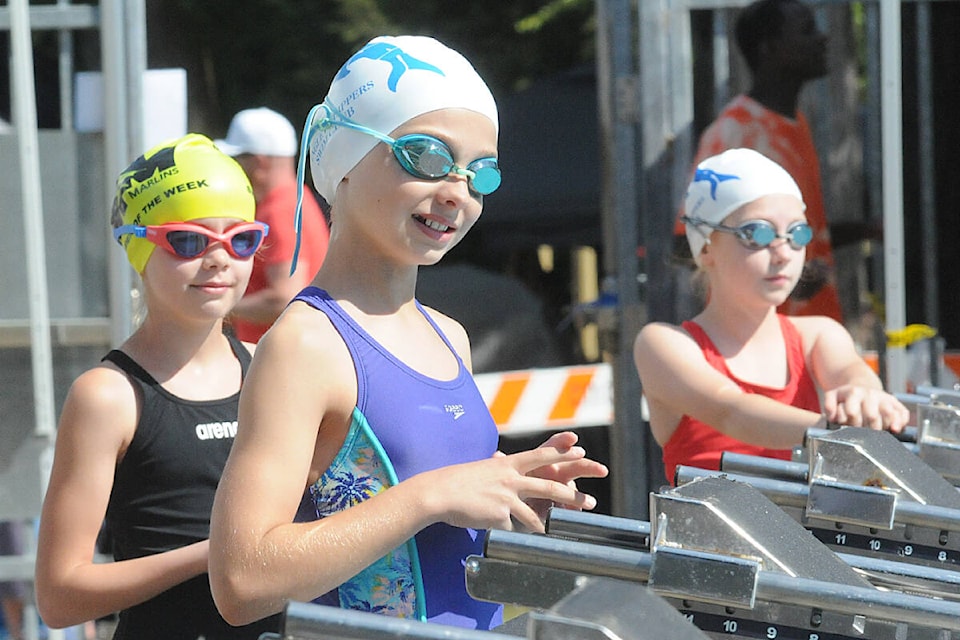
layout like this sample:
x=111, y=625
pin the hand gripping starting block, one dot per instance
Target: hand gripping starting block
x=936, y=438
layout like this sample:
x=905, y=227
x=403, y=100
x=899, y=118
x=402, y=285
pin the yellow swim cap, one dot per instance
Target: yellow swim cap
x=176, y=181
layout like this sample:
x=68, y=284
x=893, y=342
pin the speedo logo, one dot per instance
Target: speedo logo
x=217, y=430
x=456, y=410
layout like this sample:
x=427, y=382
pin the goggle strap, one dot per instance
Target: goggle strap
x=698, y=224
x=336, y=119
x=127, y=229
x=301, y=171
x=136, y=230
x=362, y=129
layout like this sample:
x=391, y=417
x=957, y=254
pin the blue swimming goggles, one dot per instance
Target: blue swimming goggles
x=759, y=234
x=422, y=156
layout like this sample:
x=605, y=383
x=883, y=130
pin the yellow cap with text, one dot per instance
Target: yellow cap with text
x=176, y=181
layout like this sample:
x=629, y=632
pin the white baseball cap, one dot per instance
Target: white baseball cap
x=725, y=182
x=260, y=131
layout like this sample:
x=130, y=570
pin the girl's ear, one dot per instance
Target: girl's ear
x=706, y=256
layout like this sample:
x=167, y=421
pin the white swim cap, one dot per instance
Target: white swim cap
x=387, y=82
x=723, y=183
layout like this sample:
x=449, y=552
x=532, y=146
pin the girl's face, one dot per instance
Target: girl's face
x=203, y=288
x=409, y=219
x=766, y=275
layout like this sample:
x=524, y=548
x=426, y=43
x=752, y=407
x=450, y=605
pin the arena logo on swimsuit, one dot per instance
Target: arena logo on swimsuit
x=216, y=430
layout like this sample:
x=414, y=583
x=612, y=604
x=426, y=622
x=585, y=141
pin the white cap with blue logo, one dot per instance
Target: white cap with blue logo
x=387, y=82
x=725, y=182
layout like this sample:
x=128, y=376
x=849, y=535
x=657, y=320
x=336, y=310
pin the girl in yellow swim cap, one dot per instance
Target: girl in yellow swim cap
x=143, y=436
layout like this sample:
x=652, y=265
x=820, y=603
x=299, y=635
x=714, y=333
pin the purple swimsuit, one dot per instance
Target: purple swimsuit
x=405, y=423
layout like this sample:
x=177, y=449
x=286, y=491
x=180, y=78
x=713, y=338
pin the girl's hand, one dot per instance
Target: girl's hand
x=566, y=473
x=865, y=407
x=497, y=493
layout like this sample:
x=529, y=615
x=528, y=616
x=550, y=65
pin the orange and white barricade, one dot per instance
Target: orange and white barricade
x=547, y=399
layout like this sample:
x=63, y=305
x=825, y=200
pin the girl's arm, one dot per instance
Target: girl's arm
x=97, y=422
x=833, y=355
x=678, y=380
x=852, y=393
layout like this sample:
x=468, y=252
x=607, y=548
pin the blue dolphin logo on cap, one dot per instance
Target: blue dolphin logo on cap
x=400, y=62
x=714, y=178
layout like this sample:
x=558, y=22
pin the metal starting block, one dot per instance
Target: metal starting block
x=862, y=493
x=939, y=394
x=938, y=440
x=858, y=475
x=725, y=556
x=721, y=534
x=596, y=609
x=635, y=534
x=605, y=609
x=307, y=621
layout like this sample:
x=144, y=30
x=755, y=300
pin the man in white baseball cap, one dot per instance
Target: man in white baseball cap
x=265, y=144
x=260, y=131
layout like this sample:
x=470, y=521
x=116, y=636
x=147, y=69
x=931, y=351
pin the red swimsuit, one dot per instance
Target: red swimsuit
x=696, y=444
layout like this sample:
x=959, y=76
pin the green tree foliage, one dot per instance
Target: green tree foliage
x=283, y=53
x=510, y=43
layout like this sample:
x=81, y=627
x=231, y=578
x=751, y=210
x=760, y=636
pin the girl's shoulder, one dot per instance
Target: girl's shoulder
x=303, y=341
x=302, y=329
x=448, y=325
x=455, y=333
x=302, y=366
x=811, y=321
x=821, y=335
x=105, y=383
x=103, y=398
x=660, y=342
x=660, y=332
x=811, y=327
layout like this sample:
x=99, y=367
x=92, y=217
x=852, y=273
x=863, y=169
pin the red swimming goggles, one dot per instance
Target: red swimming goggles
x=187, y=240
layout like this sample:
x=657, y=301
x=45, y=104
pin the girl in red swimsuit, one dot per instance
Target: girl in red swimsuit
x=739, y=376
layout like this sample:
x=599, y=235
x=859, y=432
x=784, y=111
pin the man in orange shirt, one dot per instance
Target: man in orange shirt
x=784, y=49
x=265, y=144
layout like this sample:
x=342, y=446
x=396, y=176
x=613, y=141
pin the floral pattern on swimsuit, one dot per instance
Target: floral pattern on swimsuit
x=360, y=471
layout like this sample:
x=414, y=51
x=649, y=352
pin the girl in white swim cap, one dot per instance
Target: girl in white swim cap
x=366, y=457
x=740, y=377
